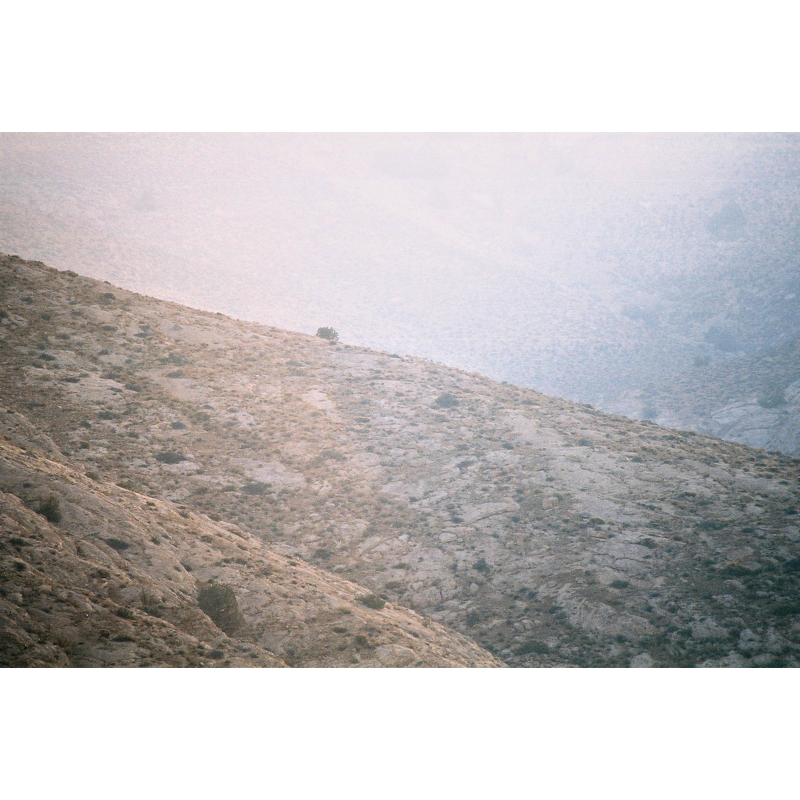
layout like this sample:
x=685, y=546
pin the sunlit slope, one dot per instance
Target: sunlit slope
x=548, y=532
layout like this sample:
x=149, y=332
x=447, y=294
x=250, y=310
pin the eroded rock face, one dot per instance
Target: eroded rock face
x=546, y=532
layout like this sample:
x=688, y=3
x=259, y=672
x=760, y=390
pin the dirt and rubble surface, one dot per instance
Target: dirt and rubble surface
x=487, y=523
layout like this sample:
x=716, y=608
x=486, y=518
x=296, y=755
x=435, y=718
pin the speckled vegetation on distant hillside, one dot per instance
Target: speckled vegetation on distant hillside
x=546, y=532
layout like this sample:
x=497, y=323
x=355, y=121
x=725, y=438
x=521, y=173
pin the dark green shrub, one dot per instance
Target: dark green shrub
x=371, y=601
x=174, y=358
x=218, y=601
x=446, y=400
x=736, y=569
x=710, y=525
x=170, y=457
x=328, y=333
x=649, y=543
x=481, y=566
x=117, y=544
x=50, y=510
x=256, y=488
x=618, y=584
x=649, y=413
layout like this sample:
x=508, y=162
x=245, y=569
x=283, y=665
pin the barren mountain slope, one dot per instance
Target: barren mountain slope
x=548, y=532
x=104, y=576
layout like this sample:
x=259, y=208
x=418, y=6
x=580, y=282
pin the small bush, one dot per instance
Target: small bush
x=328, y=333
x=472, y=618
x=480, y=565
x=446, y=400
x=371, y=601
x=618, y=584
x=256, y=488
x=649, y=413
x=219, y=602
x=170, y=457
x=736, y=569
x=117, y=544
x=710, y=525
x=174, y=358
x=50, y=510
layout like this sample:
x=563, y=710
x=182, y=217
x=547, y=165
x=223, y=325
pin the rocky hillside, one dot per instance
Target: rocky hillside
x=547, y=532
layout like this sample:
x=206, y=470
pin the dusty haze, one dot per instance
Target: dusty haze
x=652, y=275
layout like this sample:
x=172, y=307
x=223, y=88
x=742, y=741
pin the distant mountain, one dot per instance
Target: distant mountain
x=597, y=267
x=183, y=488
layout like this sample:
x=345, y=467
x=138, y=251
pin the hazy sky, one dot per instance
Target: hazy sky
x=532, y=258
